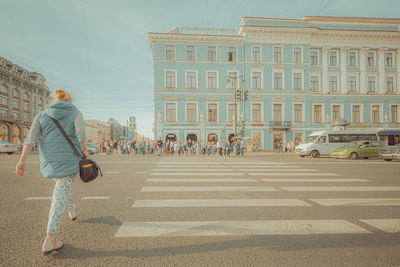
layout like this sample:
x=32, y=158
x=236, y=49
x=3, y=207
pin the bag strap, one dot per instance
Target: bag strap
x=66, y=137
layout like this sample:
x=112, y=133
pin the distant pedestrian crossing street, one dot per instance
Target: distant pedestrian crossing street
x=266, y=185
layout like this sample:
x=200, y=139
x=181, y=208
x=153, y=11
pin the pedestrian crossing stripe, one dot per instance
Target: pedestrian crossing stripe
x=357, y=201
x=163, y=203
x=315, y=180
x=293, y=174
x=238, y=228
x=208, y=189
x=341, y=188
x=280, y=170
x=197, y=173
x=201, y=180
x=386, y=225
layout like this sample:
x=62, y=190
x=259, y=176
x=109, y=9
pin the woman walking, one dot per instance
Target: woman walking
x=58, y=160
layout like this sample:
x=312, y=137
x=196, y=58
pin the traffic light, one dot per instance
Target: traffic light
x=238, y=94
x=246, y=95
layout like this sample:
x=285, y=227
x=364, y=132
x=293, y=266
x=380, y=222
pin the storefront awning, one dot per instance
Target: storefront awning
x=388, y=132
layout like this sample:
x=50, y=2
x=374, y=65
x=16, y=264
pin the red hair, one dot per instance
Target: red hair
x=61, y=94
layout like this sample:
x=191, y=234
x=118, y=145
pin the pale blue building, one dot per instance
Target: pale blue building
x=289, y=78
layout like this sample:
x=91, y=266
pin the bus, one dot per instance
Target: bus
x=322, y=142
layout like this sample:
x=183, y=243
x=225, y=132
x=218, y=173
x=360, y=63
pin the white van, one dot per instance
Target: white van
x=322, y=142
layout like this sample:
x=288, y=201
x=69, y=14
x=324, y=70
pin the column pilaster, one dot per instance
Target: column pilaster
x=343, y=69
x=381, y=69
x=363, y=70
x=325, y=51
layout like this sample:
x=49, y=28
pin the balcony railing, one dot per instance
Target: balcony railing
x=280, y=125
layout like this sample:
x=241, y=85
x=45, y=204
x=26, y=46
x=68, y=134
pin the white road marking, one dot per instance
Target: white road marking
x=127, y=162
x=207, y=189
x=341, y=188
x=162, y=203
x=280, y=170
x=190, y=162
x=357, y=201
x=195, y=170
x=238, y=228
x=94, y=197
x=112, y=172
x=38, y=198
x=386, y=225
x=193, y=166
x=266, y=166
x=292, y=174
x=313, y=180
x=267, y=163
x=200, y=180
x=142, y=172
x=197, y=173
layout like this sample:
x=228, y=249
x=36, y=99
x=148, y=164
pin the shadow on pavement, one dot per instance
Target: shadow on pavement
x=108, y=220
x=273, y=243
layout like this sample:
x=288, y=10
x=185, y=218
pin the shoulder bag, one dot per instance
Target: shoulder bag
x=88, y=169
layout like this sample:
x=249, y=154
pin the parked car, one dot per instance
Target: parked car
x=91, y=149
x=390, y=153
x=7, y=147
x=358, y=149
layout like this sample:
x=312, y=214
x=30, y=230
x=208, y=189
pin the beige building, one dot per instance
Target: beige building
x=96, y=131
x=23, y=94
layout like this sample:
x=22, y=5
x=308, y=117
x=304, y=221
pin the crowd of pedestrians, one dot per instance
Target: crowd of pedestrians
x=233, y=146
x=286, y=147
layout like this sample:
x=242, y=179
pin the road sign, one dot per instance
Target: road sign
x=132, y=126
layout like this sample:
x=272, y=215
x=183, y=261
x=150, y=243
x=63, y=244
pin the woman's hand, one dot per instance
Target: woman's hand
x=85, y=154
x=20, y=168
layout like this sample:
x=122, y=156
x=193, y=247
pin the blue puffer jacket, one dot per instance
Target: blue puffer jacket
x=57, y=157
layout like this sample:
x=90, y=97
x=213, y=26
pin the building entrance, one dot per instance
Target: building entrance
x=170, y=137
x=212, y=137
x=191, y=137
x=278, y=139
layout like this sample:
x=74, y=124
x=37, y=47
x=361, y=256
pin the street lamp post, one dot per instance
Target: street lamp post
x=236, y=95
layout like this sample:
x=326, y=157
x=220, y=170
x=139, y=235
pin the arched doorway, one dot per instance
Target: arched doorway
x=212, y=137
x=170, y=137
x=15, y=132
x=192, y=137
x=25, y=133
x=3, y=132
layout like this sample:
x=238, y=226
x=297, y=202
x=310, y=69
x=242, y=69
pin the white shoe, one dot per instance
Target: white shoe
x=72, y=212
x=50, y=244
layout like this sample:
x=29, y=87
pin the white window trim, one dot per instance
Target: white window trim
x=197, y=78
x=217, y=112
x=237, y=79
x=341, y=110
x=381, y=111
x=283, y=110
x=261, y=110
x=337, y=58
x=236, y=52
x=207, y=72
x=262, y=137
x=393, y=59
x=261, y=59
x=318, y=75
x=176, y=110
x=261, y=78
x=322, y=112
x=165, y=78
x=303, y=115
x=338, y=83
x=361, y=111
x=165, y=51
x=282, y=72
x=216, y=53
x=197, y=111
x=273, y=55
x=315, y=50
x=375, y=76
x=302, y=78
x=356, y=60
x=227, y=111
x=366, y=59
x=398, y=113
x=195, y=53
x=301, y=55
x=357, y=89
x=393, y=76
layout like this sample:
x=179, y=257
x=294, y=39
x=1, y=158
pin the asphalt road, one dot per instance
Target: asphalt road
x=271, y=210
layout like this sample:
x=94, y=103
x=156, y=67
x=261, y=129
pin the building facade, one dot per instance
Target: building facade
x=23, y=94
x=96, y=131
x=282, y=78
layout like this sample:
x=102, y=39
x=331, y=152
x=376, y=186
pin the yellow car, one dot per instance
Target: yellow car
x=358, y=149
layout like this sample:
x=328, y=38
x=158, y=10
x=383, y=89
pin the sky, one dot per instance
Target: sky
x=98, y=50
